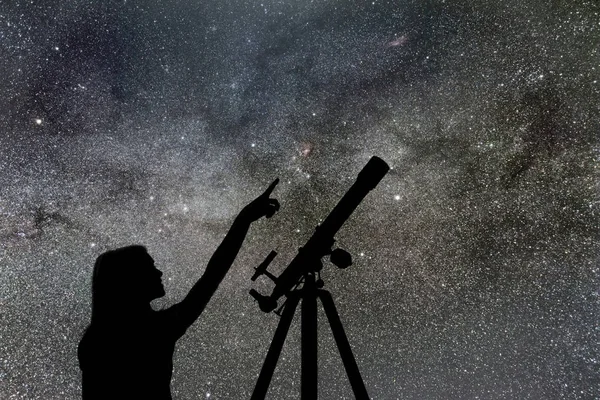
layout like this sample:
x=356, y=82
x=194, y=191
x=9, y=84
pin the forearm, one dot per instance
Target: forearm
x=221, y=261
x=225, y=255
x=216, y=269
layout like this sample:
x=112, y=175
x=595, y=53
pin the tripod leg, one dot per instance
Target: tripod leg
x=309, y=377
x=356, y=381
x=266, y=373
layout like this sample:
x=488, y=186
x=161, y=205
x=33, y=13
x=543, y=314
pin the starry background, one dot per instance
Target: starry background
x=476, y=260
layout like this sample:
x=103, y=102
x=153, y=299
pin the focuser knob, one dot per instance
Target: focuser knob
x=341, y=258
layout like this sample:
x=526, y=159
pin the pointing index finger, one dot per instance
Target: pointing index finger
x=271, y=187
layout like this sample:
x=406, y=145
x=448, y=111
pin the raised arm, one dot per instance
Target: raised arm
x=195, y=301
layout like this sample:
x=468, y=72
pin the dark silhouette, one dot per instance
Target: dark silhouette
x=127, y=350
x=304, y=270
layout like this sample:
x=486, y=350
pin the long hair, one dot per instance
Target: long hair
x=113, y=282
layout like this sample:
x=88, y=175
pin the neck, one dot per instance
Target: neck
x=138, y=308
x=131, y=312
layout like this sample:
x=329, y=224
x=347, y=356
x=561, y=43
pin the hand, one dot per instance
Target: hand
x=262, y=205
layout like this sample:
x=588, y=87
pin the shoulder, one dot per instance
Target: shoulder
x=171, y=321
x=86, y=346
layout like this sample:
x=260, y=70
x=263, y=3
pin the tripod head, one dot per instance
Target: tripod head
x=308, y=259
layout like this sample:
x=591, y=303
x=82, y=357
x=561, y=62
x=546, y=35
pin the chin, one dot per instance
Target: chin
x=159, y=293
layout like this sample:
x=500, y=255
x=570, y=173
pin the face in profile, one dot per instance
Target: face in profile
x=149, y=279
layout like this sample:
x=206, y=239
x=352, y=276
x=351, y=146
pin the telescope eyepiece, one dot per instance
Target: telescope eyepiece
x=265, y=303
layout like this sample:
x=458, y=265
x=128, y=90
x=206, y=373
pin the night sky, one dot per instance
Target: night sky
x=476, y=260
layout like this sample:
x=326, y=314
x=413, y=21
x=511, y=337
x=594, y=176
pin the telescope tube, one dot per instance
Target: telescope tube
x=322, y=239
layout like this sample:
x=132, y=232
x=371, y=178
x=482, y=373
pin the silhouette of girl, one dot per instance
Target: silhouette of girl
x=127, y=350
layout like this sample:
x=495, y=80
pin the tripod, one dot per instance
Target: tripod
x=309, y=378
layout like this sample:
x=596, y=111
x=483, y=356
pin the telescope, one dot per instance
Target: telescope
x=303, y=270
x=319, y=245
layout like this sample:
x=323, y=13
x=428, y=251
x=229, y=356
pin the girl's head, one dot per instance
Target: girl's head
x=123, y=279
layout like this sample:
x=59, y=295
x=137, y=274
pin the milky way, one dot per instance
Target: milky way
x=476, y=260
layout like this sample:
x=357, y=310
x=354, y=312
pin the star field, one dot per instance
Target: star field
x=476, y=260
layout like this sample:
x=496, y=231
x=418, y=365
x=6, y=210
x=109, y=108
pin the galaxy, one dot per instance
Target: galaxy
x=476, y=260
